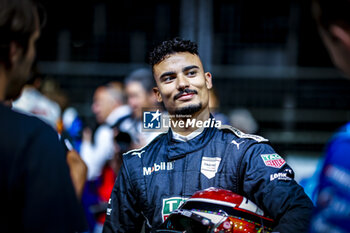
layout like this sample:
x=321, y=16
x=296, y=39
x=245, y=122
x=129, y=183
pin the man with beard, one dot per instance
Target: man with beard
x=36, y=190
x=198, y=152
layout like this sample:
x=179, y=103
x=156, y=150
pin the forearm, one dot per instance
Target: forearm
x=78, y=171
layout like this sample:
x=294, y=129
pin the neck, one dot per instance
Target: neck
x=202, y=116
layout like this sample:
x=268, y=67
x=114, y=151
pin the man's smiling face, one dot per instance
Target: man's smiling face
x=182, y=84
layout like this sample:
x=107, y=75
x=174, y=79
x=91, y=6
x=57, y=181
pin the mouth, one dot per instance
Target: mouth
x=185, y=95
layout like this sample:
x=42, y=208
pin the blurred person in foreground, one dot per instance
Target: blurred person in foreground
x=333, y=190
x=156, y=179
x=36, y=189
x=138, y=87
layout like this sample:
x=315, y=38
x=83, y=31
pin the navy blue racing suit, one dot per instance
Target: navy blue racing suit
x=157, y=178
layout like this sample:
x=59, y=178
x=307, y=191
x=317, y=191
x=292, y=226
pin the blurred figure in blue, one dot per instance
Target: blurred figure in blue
x=332, y=213
x=72, y=126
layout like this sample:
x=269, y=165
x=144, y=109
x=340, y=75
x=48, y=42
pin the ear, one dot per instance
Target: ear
x=15, y=52
x=340, y=34
x=208, y=80
x=157, y=94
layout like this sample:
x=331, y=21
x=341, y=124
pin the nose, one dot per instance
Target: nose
x=182, y=82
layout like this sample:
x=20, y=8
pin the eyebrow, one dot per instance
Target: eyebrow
x=189, y=68
x=169, y=73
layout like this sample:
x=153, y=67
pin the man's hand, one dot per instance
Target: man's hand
x=78, y=171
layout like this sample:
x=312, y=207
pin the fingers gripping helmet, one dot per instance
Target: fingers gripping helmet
x=217, y=210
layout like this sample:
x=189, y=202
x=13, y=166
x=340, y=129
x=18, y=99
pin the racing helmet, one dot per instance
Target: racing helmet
x=217, y=210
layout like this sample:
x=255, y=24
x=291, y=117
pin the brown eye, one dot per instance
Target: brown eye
x=168, y=79
x=192, y=73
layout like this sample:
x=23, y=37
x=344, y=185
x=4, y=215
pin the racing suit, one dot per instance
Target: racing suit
x=157, y=178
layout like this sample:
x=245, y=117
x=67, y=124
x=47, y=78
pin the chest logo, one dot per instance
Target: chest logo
x=209, y=166
x=273, y=160
x=162, y=166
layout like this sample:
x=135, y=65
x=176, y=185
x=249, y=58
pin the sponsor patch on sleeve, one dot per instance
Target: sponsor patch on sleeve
x=286, y=175
x=273, y=160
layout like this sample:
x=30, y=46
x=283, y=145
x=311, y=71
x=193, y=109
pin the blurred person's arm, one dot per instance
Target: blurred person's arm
x=78, y=171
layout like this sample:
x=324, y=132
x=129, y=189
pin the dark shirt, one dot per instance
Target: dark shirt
x=36, y=191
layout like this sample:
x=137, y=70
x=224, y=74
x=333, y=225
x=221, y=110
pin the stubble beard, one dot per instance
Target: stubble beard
x=189, y=110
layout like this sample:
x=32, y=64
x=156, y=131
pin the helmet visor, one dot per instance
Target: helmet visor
x=186, y=221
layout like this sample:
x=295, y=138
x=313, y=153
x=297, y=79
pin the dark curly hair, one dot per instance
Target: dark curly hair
x=172, y=46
